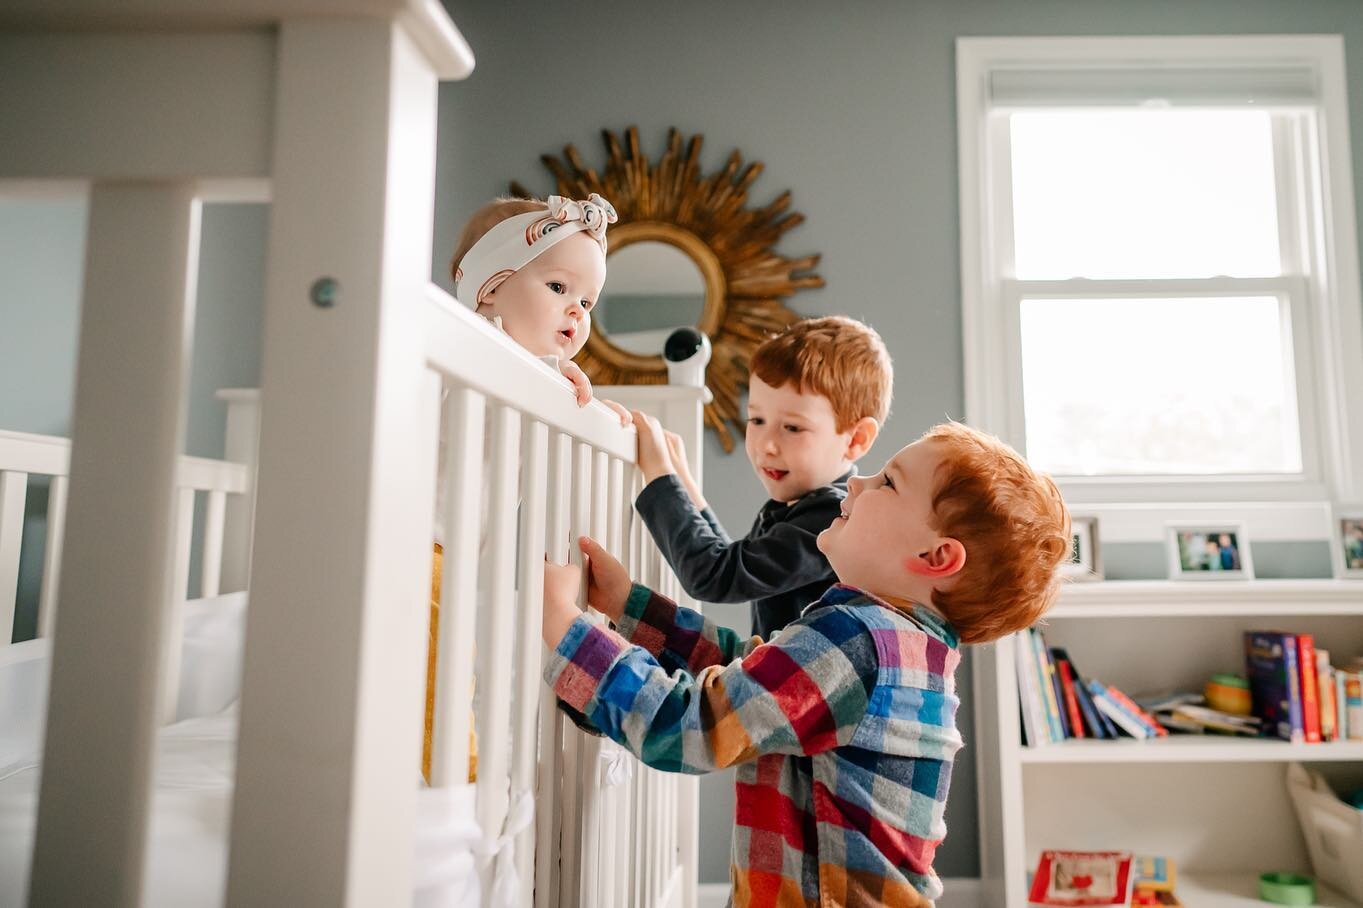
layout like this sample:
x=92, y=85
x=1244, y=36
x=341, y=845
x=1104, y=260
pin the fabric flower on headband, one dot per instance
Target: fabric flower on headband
x=520, y=239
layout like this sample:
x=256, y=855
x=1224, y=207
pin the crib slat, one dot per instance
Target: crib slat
x=175, y=607
x=52, y=554
x=534, y=466
x=13, y=491
x=549, y=822
x=576, y=747
x=595, y=837
x=496, y=622
x=465, y=411
x=215, y=515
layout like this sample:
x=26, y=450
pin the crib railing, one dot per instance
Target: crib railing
x=225, y=487
x=585, y=821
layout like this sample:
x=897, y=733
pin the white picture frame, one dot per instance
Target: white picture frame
x=1086, y=563
x=1189, y=548
x=1346, y=541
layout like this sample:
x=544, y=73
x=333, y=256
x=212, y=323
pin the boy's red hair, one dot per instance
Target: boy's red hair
x=1015, y=529
x=835, y=357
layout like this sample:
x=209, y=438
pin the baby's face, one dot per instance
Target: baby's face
x=546, y=306
x=886, y=521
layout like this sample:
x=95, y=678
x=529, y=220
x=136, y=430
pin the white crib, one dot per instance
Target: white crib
x=327, y=108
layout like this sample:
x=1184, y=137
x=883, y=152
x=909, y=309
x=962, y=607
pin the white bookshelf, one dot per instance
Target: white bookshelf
x=1218, y=806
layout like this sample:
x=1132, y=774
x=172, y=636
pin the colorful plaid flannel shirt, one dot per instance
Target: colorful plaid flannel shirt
x=843, y=730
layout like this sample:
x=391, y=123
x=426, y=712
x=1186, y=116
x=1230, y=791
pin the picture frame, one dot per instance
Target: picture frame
x=1346, y=541
x=1086, y=563
x=1209, y=551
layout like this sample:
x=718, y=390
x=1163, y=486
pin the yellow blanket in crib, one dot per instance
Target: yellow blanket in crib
x=436, y=560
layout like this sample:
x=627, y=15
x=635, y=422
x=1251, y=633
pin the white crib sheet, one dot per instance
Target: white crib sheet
x=187, y=858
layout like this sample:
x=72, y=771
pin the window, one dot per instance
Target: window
x=1159, y=269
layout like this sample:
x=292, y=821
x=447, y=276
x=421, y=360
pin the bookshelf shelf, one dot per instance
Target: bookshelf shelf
x=1241, y=890
x=1193, y=599
x=1192, y=749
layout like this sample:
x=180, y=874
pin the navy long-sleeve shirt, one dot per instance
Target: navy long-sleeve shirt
x=777, y=567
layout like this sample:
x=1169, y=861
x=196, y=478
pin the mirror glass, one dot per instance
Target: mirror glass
x=651, y=289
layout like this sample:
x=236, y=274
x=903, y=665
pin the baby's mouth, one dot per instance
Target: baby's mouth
x=775, y=475
x=567, y=334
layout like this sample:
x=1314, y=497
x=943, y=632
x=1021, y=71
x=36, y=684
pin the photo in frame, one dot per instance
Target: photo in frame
x=1346, y=541
x=1216, y=551
x=1085, y=561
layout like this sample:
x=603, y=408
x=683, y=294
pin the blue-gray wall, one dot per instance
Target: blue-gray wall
x=42, y=251
x=852, y=107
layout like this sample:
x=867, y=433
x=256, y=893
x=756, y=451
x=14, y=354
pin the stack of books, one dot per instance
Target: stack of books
x=1059, y=703
x=1188, y=712
x=1298, y=694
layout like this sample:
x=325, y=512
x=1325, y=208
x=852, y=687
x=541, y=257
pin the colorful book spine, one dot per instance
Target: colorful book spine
x=1120, y=717
x=1054, y=675
x=1033, y=723
x=1094, y=720
x=1047, y=691
x=1271, y=666
x=1071, y=701
x=1341, y=704
x=1353, y=705
x=1310, y=693
x=1140, y=713
x=1325, y=689
x=1098, y=688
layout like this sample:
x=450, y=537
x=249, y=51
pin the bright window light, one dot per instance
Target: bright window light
x=1143, y=194
x=1192, y=386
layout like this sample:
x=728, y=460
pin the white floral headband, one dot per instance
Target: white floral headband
x=520, y=239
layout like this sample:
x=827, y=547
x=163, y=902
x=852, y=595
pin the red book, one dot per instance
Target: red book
x=1087, y=878
x=1071, y=701
x=1310, y=696
x=1145, y=717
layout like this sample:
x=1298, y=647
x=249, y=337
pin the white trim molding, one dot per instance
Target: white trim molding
x=1298, y=73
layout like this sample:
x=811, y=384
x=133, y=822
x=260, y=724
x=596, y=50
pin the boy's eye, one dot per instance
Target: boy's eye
x=754, y=420
x=888, y=481
x=556, y=286
x=794, y=428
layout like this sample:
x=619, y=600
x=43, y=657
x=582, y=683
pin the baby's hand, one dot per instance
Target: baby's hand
x=582, y=387
x=561, y=583
x=653, y=457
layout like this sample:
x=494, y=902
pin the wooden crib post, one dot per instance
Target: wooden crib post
x=331, y=708
x=240, y=445
x=13, y=492
x=141, y=264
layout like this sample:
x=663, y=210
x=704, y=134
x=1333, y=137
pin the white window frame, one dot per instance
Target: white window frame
x=1319, y=255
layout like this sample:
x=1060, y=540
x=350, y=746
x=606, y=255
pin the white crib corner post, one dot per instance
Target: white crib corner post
x=136, y=321
x=330, y=739
x=13, y=493
x=241, y=446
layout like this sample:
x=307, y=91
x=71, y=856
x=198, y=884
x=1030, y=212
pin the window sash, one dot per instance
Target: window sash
x=1293, y=294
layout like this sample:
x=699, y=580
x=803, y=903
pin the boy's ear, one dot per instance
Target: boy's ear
x=945, y=559
x=864, y=433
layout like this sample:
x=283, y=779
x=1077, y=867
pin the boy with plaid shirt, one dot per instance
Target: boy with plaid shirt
x=843, y=728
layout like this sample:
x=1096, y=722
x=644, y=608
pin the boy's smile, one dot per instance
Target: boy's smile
x=793, y=440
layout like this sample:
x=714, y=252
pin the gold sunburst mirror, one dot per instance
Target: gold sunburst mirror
x=687, y=250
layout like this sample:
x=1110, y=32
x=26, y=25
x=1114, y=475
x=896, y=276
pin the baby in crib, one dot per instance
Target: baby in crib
x=843, y=728
x=535, y=269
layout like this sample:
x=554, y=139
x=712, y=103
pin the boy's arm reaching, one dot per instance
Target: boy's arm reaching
x=804, y=694
x=714, y=568
x=679, y=638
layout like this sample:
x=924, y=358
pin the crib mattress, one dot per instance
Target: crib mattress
x=187, y=854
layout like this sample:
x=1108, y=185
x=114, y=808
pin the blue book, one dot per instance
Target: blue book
x=1095, y=725
x=1275, y=683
